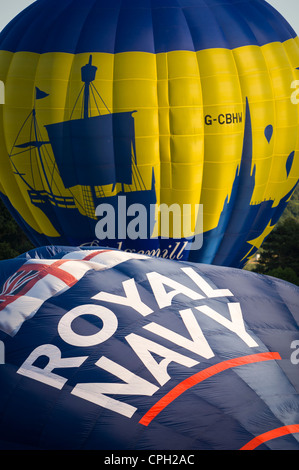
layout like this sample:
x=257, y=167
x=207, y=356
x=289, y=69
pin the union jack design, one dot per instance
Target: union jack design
x=37, y=280
x=15, y=283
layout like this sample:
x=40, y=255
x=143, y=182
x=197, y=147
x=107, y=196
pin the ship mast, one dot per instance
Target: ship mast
x=88, y=73
x=38, y=145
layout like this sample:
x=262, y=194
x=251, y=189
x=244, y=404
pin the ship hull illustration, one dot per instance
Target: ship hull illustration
x=95, y=153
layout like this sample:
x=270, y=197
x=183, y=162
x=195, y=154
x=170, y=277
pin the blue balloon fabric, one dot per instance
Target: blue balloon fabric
x=103, y=349
x=153, y=26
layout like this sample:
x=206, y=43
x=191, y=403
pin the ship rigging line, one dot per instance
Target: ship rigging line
x=22, y=151
x=93, y=87
x=95, y=101
x=77, y=101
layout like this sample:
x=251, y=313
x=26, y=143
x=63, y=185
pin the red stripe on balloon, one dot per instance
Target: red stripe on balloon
x=94, y=254
x=267, y=436
x=200, y=377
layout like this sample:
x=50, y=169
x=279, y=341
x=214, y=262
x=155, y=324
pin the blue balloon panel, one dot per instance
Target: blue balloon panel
x=110, y=350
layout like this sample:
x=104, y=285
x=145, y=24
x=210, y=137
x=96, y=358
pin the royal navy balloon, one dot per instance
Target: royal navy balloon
x=122, y=116
x=107, y=350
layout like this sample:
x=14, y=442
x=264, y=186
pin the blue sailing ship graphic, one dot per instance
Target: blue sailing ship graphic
x=93, y=152
x=96, y=152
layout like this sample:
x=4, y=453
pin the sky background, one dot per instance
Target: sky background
x=288, y=8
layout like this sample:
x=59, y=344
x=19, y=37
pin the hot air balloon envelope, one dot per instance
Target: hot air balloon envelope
x=111, y=350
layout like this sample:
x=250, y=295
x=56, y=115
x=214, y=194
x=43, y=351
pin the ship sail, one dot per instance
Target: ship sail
x=105, y=142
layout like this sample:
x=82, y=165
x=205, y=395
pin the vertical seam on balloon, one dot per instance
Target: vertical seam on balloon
x=159, y=126
x=273, y=160
x=158, y=114
x=114, y=71
x=168, y=123
x=170, y=131
x=201, y=162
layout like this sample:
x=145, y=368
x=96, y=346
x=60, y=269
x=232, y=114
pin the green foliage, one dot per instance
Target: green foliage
x=279, y=254
x=292, y=209
x=13, y=241
x=287, y=274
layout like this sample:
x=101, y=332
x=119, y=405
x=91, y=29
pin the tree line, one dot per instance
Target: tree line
x=13, y=241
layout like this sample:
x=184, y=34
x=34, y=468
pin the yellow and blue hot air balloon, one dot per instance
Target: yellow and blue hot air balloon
x=107, y=350
x=115, y=110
